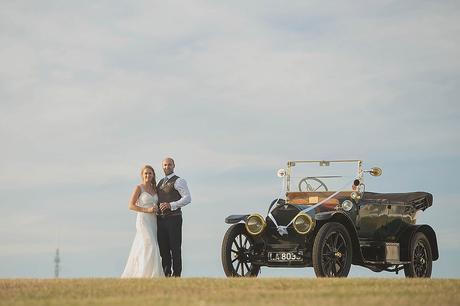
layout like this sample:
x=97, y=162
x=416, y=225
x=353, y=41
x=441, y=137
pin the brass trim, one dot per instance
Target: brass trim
x=312, y=223
x=376, y=171
x=264, y=224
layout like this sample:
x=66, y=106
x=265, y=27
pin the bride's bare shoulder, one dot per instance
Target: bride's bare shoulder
x=137, y=189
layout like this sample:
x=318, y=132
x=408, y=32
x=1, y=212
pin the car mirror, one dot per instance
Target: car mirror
x=281, y=173
x=376, y=171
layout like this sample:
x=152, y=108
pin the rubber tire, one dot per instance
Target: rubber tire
x=232, y=232
x=318, y=244
x=409, y=269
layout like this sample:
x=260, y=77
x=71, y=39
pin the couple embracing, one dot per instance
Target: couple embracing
x=156, y=250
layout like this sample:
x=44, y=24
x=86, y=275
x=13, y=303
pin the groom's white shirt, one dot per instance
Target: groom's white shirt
x=181, y=186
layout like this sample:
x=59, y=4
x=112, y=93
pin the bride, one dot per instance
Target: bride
x=144, y=259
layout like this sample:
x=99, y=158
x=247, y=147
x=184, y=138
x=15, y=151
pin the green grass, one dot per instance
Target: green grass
x=250, y=291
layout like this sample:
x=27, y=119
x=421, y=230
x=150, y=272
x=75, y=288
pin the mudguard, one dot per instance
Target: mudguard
x=235, y=218
x=322, y=216
x=406, y=237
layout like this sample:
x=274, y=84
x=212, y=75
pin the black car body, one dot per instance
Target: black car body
x=329, y=228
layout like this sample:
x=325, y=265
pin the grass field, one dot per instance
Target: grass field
x=209, y=291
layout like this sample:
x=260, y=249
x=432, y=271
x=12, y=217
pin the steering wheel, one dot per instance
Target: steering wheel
x=311, y=184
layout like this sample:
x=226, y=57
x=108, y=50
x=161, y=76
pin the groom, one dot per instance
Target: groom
x=173, y=194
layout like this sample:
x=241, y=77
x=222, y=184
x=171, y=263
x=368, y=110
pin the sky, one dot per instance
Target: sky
x=90, y=91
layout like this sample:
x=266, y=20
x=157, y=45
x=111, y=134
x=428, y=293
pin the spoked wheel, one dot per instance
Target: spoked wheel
x=237, y=250
x=421, y=258
x=332, y=251
x=311, y=184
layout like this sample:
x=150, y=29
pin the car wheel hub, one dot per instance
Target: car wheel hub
x=242, y=255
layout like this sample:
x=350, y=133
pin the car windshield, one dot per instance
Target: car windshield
x=317, y=176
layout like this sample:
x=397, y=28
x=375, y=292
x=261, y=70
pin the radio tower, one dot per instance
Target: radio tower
x=57, y=260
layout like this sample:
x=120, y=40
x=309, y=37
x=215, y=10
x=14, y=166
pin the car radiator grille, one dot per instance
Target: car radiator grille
x=284, y=214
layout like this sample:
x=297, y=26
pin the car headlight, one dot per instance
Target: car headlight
x=303, y=223
x=255, y=224
x=347, y=205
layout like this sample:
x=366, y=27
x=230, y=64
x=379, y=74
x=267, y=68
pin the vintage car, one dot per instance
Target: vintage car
x=329, y=221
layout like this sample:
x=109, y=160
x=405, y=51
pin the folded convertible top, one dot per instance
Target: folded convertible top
x=419, y=200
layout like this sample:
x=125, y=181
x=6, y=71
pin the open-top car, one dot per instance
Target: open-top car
x=329, y=221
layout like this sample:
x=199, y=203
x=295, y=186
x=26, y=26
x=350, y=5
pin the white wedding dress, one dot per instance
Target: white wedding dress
x=144, y=259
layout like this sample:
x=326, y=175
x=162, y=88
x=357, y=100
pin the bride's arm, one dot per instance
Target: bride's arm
x=132, y=202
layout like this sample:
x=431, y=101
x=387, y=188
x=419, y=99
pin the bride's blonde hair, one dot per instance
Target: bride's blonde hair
x=154, y=180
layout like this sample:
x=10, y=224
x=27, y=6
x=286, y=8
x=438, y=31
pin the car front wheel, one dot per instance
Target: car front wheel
x=332, y=251
x=237, y=250
x=421, y=258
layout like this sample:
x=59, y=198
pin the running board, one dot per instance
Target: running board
x=386, y=262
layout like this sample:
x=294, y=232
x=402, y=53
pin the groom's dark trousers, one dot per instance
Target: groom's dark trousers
x=170, y=241
x=169, y=227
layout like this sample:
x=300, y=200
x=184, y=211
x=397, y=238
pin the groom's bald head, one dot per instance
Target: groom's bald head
x=168, y=165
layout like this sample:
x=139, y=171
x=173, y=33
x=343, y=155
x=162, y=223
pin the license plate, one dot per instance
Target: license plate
x=285, y=256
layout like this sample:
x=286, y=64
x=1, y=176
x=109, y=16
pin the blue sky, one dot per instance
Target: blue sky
x=91, y=91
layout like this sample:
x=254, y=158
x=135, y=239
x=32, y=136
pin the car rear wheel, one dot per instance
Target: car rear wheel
x=237, y=250
x=421, y=259
x=332, y=251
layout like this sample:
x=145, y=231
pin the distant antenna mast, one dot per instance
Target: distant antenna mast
x=57, y=260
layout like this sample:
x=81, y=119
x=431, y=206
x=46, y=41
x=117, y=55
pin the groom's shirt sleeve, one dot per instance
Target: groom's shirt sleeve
x=182, y=188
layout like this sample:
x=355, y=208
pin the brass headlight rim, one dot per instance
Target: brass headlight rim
x=264, y=224
x=312, y=223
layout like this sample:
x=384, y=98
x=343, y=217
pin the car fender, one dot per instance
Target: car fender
x=235, y=218
x=406, y=237
x=340, y=217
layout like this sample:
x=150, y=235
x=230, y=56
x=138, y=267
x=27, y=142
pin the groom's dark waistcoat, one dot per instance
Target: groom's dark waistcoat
x=167, y=193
